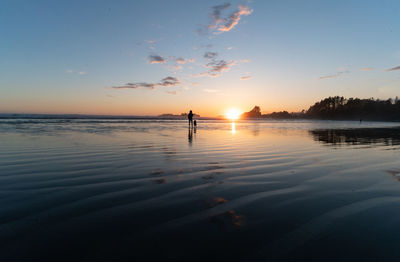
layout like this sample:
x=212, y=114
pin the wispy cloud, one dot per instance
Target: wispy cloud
x=210, y=55
x=169, y=81
x=181, y=60
x=151, y=44
x=156, y=59
x=216, y=14
x=222, y=23
x=340, y=73
x=82, y=73
x=393, y=69
x=367, y=69
x=234, y=18
x=165, y=82
x=216, y=67
x=245, y=77
x=136, y=86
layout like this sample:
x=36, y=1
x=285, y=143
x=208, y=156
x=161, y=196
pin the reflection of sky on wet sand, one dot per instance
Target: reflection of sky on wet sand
x=240, y=186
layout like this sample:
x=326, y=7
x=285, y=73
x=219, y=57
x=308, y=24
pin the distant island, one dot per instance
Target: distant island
x=339, y=108
x=181, y=116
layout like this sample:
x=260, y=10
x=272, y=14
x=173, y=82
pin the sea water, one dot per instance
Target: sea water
x=135, y=190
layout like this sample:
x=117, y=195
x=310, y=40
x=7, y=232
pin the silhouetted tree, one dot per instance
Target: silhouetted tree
x=340, y=108
x=254, y=113
x=355, y=108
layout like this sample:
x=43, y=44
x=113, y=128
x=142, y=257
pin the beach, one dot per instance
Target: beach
x=121, y=189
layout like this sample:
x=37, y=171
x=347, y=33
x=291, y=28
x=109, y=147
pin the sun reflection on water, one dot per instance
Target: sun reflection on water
x=233, y=130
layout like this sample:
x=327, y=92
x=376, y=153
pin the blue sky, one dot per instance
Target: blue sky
x=79, y=56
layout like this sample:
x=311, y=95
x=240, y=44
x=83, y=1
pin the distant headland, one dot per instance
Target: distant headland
x=339, y=108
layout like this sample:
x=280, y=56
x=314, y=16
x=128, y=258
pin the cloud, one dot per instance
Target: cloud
x=165, y=82
x=234, y=18
x=220, y=23
x=69, y=71
x=393, y=69
x=216, y=14
x=172, y=92
x=245, y=60
x=181, y=60
x=210, y=55
x=220, y=66
x=156, y=59
x=216, y=67
x=169, y=81
x=81, y=73
x=245, y=77
x=367, y=69
x=334, y=75
x=134, y=86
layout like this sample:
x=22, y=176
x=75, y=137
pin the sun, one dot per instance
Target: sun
x=233, y=113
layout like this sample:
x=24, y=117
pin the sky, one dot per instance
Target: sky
x=153, y=57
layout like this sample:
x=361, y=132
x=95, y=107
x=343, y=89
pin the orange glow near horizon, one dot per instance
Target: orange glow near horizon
x=233, y=114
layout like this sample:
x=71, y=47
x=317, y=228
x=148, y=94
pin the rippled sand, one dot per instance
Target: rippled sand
x=112, y=190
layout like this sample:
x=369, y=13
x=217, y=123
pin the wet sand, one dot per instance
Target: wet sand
x=126, y=190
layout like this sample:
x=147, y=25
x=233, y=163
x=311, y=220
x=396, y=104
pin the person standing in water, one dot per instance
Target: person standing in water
x=190, y=117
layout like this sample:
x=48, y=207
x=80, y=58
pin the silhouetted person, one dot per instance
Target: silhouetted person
x=194, y=123
x=190, y=117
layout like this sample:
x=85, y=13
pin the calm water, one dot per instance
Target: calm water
x=112, y=190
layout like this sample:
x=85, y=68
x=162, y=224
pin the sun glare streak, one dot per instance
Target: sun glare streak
x=233, y=114
x=233, y=130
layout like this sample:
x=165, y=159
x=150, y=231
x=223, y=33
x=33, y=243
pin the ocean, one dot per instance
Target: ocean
x=141, y=190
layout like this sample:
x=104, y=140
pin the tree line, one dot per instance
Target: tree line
x=340, y=108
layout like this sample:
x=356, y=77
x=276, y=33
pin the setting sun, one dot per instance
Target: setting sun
x=233, y=114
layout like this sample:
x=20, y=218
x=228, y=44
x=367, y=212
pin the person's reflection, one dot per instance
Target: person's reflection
x=190, y=135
